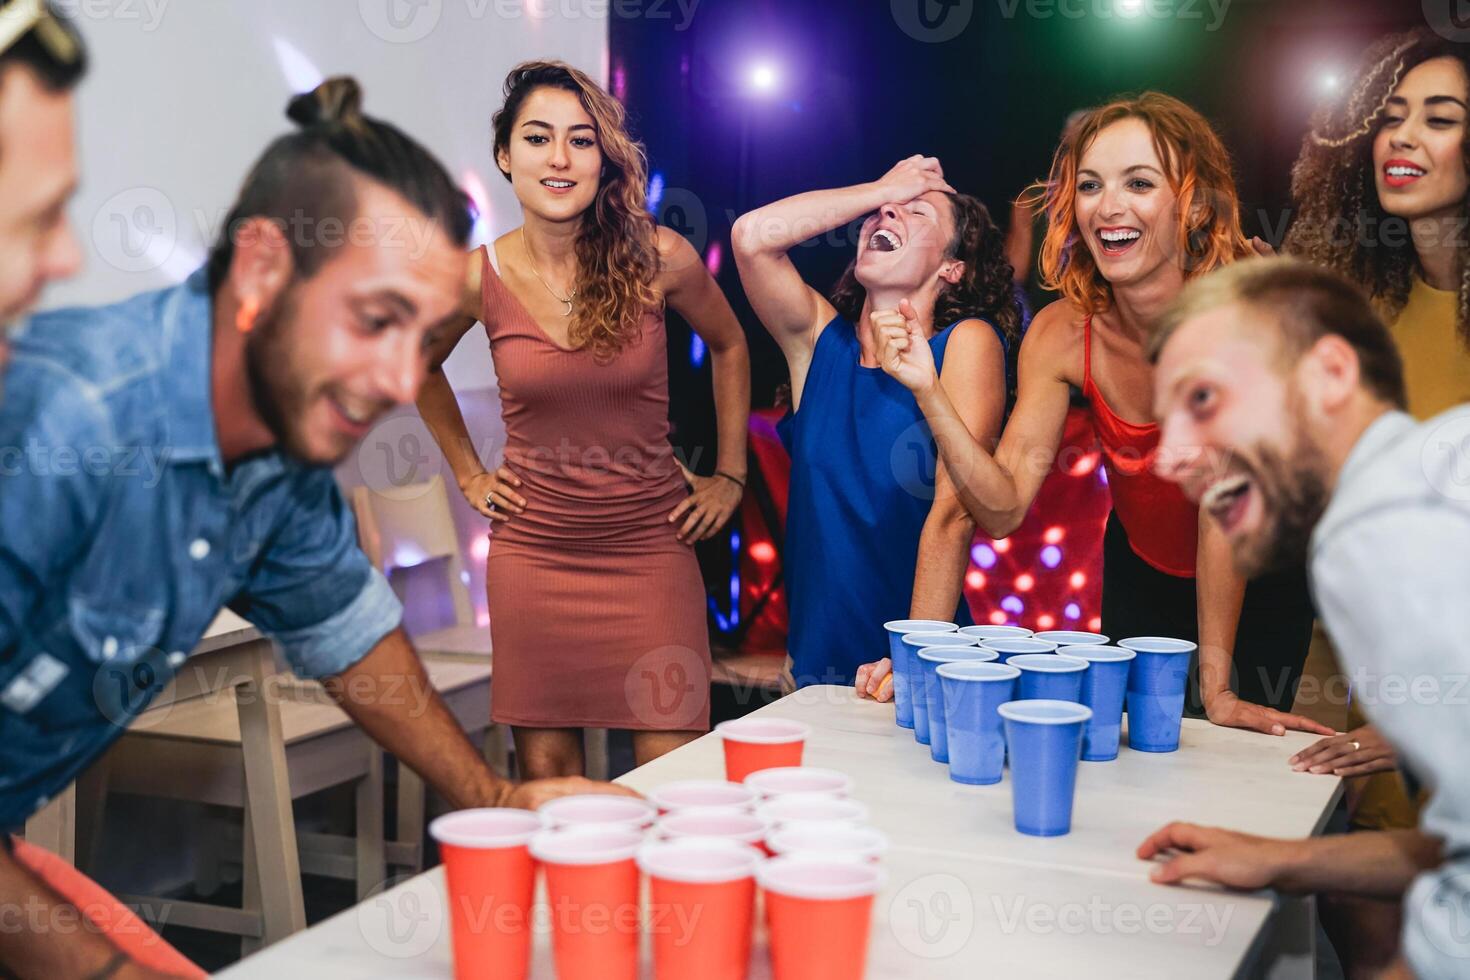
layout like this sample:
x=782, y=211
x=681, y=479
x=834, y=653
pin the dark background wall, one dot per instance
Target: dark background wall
x=985, y=85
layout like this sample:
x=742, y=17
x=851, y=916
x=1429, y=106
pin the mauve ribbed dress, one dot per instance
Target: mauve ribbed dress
x=597, y=611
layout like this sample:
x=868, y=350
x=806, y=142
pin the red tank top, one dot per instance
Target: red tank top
x=1162, y=525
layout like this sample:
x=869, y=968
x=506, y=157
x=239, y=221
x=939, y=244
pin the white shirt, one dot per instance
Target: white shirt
x=1390, y=572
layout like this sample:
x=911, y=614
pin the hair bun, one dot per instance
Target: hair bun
x=336, y=100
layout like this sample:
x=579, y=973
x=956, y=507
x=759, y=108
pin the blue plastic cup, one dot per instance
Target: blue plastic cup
x=1045, y=742
x=1073, y=638
x=929, y=660
x=995, y=632
x=1008, y=646
x=903, y=708
x=1103, y=687
x=916, y=642
x=1049, y=677
x=972, y=692
x=1156, y=685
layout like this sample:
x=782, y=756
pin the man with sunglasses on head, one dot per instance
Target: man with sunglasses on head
x=41, y=61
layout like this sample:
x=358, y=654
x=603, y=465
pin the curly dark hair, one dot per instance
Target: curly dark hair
x=1339, y=218
x=986, y=290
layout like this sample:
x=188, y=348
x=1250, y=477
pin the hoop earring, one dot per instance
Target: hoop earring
x=246, y=316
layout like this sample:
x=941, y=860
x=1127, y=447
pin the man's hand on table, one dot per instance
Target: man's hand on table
x=875, y=680
x=1224, y=857
x=1359, y=752
x=530, y=796
x=1224, y=708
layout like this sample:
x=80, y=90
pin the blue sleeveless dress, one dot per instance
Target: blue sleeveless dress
x=862, y=481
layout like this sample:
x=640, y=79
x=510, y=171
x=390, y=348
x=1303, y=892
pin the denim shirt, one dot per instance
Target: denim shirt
x=122, y=534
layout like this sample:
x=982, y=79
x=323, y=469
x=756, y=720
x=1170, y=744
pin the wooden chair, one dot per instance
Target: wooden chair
x=234, y=731
x=412, y=527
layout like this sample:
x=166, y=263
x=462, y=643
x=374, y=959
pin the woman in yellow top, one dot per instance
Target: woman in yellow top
x=1381, y=190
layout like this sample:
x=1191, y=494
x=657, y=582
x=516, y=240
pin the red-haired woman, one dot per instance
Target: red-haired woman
x=1140, y=199
x=597, y=606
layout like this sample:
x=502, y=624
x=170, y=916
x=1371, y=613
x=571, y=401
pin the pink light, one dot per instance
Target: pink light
x=1084, y=465
x=763, y=552
x=1025, y=582
x=1002, y=545
x=975, y=579
x=1095, y=623
x=997, y=618
x=1078, y=580
x=1046, y=621
x=713, y=257
x=480, y=547
x=483, y=618
x=1054, y=534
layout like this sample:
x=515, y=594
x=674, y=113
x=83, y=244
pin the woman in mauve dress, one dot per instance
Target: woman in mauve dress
x=597, y=606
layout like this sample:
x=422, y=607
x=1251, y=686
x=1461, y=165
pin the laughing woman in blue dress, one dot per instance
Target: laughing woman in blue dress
x=874, y=529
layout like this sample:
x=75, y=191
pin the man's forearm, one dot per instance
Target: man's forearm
x=389, y=694
x=1374, y=864
x=42, y=935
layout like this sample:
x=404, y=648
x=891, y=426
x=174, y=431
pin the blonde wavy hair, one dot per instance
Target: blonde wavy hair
x=617, y=246
x=1197, y=167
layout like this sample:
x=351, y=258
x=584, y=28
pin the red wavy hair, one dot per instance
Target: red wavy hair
x=1197, y=167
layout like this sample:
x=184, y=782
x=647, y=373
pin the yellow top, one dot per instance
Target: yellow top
x=1436, y=360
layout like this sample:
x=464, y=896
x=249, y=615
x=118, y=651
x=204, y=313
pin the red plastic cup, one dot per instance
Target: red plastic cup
x=833, y=840
x=592, y=887
x=701, y=907
x=599, y=809
x=489, y=880
x=820, y=915
x=689, y=794
x=785, y=780
x=726, y=824
x=752, y=744
x=797, y=809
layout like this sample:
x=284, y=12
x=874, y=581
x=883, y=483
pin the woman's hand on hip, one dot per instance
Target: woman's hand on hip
x=492, y=494
x=709, y=506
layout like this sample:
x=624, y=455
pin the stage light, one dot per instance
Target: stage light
x=1130, y=8
x=1025, y=582
x=1002, y=545
x=1013, y=604
x=975, y=579
x=1054, y=534
x=480, y=547
x=1046, y=621
x=714, y=256
x=1078, y=580
x=983, y=555
x=763, y=552
x=301, y=74
x=763, y=78
x=1328, y=82
x=1073, y=611
x=1051, y=556
x=697, y=350
x=655, y=192
x=1095, y=624
x=997, y=618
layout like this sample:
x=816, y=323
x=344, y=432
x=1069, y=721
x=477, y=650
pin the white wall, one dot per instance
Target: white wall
x=182, y=97
x=184, y=94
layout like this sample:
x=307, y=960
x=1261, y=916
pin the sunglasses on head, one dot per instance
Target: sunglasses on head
x=33, y=18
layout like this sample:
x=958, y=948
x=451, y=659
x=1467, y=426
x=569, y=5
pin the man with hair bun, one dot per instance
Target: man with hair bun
x=248, y=381
x=1281, y=397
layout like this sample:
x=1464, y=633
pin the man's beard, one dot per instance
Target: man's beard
x=1293, y=497
x=279, y=398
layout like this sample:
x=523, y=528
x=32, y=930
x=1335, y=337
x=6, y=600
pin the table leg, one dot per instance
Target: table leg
x=1290, y=952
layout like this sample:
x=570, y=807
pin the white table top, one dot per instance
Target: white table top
x=965, y=890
